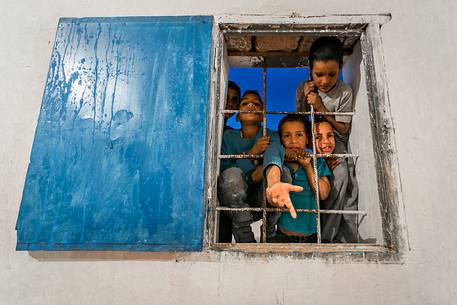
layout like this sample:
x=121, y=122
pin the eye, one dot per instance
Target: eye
x=234, y=99
x=332, y=74
x=318, y=74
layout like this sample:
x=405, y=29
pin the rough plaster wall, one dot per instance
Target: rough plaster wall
x=419, y=47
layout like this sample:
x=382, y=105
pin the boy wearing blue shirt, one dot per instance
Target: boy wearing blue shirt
x=294, y=137
x=240, y=181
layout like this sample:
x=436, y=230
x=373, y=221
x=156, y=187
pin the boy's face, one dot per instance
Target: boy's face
x=293, y=136
x=250, y=102
x=325, y=74
x=325, y=138
x=233, y=101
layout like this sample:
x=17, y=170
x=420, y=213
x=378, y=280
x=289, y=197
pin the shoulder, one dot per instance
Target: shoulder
x=231, y=134
x=344, y=89
x=272, y=132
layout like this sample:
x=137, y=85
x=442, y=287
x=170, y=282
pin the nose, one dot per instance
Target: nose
x=325, y=81
x=251, y=106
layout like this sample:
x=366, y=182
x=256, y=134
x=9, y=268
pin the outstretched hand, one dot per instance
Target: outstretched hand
x=278, y=195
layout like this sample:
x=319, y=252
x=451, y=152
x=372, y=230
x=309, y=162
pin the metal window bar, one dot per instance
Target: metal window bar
x=315, y=155
x=290, y=112
x=347, y=212
x=264, y=133
x=247, y=156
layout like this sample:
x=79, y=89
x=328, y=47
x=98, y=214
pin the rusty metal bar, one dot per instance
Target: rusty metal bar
x=290, y=112
x=264, y=130
x=264, y=133
x=337, y=155
x=334, y=113
x=246, y=156
x=241, y=156
x=316, y=178
x=242, y=111
x=310, y=211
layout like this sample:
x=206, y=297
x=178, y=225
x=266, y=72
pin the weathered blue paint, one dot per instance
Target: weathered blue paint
x=119, y=152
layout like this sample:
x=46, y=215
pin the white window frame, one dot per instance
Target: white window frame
x=387, y=170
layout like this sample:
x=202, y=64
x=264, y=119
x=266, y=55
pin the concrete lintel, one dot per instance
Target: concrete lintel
x=297, y=18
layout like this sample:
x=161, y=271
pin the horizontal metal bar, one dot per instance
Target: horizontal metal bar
x=336, y=155
x=310, y=211
x=334, y=113
x=246, y=156
x=242, y=111
x=289, y=112
x=241, y=156
x=310, y=32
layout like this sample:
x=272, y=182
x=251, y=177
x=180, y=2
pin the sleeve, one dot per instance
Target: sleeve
x=226, y=163
x=274, y=155
x=246, y=165
x=322, y=168
x=345, y=105
x=338, y=184
x=229, y=147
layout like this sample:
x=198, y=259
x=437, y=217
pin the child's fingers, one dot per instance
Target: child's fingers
x=291, y=209
x=309, y=87
x=295, y=188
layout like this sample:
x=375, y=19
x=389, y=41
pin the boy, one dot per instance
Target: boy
x=342, y=196
x=324, y=91
x=294, y=138
x=233, y=101
x=240, y=181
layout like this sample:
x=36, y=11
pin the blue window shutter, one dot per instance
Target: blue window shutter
x=118, y=157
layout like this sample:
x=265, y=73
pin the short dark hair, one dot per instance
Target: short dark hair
x=234, y=86
x=326, y=48
x=255, y=92
x=293, y=118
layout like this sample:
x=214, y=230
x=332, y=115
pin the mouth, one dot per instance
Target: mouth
x=327, y=149
x=296, y=149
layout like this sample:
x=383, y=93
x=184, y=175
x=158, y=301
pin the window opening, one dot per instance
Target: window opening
x=245, y=56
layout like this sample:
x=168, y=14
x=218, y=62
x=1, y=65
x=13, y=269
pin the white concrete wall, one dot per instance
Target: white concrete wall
x=420, y=55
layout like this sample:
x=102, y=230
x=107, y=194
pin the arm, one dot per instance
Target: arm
x=230, y=145
x=277, y=192
x=315, y=100
x=323, y=182
x=341, y=123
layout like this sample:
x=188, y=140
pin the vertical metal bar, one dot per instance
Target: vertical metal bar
x=316, y=179
x=264, y=133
